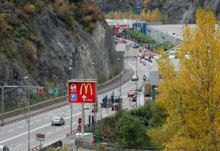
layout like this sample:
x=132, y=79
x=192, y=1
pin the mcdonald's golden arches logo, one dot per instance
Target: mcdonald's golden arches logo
x=86, y=88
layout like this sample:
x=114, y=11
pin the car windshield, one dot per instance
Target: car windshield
x=56, y=118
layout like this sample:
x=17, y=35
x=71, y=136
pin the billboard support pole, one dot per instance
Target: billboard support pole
x=83, y=118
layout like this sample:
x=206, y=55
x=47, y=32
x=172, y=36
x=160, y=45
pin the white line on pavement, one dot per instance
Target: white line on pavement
x=33, y=130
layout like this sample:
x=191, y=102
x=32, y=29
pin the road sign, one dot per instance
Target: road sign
x=50, y=90
x=20, y=90
x=40, y=90
x=56, y=90
x=40, y=137
x=82, y=92
x=34, y=90
x=80, y=120
x=138, y=10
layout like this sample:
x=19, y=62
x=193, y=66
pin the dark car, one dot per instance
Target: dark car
x=115, y=106
x=134, y=98
x=57, y=121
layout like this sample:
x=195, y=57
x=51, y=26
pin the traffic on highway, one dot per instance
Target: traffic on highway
x=55, y=124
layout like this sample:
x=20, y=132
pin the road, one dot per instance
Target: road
x=15, y=135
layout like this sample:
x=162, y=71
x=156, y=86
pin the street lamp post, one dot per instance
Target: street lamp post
x=139, y=99
x=28, y=119
x=136, y=72
x=2, y=105
x=120, y=75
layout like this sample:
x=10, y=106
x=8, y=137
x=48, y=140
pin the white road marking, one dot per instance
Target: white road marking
x=37, y=121
x=49, y=133
x=20, y=127
x=19, y=145
x=50, y=114
x=58, y=129
x=10, y=130
x=33, y=130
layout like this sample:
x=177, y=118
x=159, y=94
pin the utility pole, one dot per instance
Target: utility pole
x=28, y=118
x=136, y=72
x=2, y=105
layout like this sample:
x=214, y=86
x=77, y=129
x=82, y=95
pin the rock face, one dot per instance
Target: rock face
x=183, y=12
x=179, y=11
x=62, y=54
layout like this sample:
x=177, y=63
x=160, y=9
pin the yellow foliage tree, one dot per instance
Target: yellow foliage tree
x=191, y=96
x=142, y=16
x=116, y=15
x=30, y=8
x=146, y=4
x=4, y=27
x=156, y=16
x=148, y=16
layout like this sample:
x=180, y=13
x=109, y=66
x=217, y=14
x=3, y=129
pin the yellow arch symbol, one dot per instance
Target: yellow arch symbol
x=86, y=88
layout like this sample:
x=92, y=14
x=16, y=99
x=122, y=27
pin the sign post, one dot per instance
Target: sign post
x=40, y=137
x=82, y=91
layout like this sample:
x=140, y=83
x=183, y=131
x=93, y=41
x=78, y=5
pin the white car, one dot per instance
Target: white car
x=134, y=78
x=57, y=121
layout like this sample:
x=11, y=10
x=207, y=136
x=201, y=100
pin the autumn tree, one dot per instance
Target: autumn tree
x=30, y=8
x=191, y=95
x=148, y=16
x=156, y=15
x=4, y=27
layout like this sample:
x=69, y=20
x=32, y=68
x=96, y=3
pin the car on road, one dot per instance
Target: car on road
x=115, y=106
x=57, y=121
x=4, y=148
x=123, y=41
x=94, y=108
x=131, y=92
x=135, y=46
x=134, y=78
x=134, y=98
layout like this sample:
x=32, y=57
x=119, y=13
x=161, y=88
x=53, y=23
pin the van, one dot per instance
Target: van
x=4, y=148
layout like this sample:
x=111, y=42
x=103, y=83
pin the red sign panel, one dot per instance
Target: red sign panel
x=40, y=137
x=82, y=92
x=79, y=120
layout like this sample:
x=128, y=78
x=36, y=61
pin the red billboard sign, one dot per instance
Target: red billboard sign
x=82, y=92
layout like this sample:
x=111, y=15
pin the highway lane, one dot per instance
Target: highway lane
x=15, y=135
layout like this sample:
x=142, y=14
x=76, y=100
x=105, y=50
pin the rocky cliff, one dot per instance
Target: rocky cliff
x=178, y=11
x=49, y=52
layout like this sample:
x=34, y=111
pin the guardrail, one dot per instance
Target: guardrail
x=36, y=148
x=34, y=114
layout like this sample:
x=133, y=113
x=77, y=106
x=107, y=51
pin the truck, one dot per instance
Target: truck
x=106, y=102
x=116, y=103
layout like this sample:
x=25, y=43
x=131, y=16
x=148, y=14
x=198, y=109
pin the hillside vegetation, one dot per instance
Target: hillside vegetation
x=51, y=42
